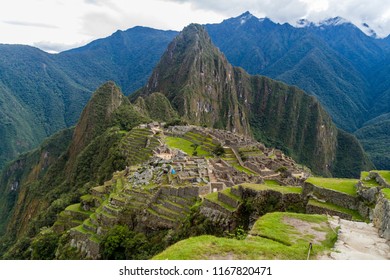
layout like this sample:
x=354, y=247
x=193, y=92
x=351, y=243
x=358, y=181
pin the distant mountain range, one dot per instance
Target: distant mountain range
x=192, y=83
x=334, y=61
x=41, y=93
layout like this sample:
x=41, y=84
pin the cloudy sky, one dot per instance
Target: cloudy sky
x=56, y=25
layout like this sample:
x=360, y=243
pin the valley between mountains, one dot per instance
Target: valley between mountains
x=203, y=160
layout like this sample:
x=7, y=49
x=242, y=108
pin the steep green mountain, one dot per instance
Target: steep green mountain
x=206, y=90
x=126, y=57
x=39, y=184
x=41, y=93
x=375, y=138
x=320, y=60
x=21, y=177
x=197, y=79
x=37, y=99
x=157, y=107
x=333, y=60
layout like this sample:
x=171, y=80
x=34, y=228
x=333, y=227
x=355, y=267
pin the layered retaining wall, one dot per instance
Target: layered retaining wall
x=381, y=217
x=334, y=197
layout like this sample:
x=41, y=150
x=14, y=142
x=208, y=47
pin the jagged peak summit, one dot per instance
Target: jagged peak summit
x=335, y=21
x=245, y=17
x=368, y=30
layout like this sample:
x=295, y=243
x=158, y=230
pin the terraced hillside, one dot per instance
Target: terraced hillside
x=190, y=186
x=273, y=236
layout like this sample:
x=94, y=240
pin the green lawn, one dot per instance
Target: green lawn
x=242, y=169
x=355, y=214
x=386, y=192
x=185, y=145
x=385, y=175
x=341, y=185
x=367, y=181
x=271, y=227
x=228, y=193
x=75, y=208
x=271, y=182
x=214, y=198
x=278, y=188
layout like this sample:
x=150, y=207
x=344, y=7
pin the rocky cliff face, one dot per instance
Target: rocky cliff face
x=51, y=176
x=206, y=90
x=20, y=197
x=198, y=80
x=96, y=116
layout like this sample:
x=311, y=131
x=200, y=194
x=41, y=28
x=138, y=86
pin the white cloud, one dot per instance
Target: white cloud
x=33, y=24
x=69, y=22
x=53, y=47
x=374, y=12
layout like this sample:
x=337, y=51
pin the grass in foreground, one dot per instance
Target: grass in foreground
x=272, y=227
x=346, y=186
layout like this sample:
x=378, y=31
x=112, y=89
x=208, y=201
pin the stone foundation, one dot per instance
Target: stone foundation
x=334, y=197
x=381, y=216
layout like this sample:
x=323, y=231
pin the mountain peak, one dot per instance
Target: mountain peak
x=96, y=116
x=245, y=17
x=197, y=79
x=334, y=21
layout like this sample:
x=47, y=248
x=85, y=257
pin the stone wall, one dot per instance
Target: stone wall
x=381, y=217
x=219, y=186
x=312, y=209
x=368, y=194
x=237, y=191
x=379, y=179
x=86, y=246
x=368, y=198
x=209, y=204
x=228, y=200
x=184, y=192
x=335, y=197
x=218, y=218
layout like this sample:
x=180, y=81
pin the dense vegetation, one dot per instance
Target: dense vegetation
x=193, y=83
x=276, y=114
x=41, y=93
x=345, y=69
x=66, y=165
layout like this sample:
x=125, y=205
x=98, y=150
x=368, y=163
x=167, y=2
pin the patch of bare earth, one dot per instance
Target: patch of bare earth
x=307, y=229
x=228, y=256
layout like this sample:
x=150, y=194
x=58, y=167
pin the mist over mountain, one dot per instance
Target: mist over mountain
x=42, y=93
x=48, y=193
x=333, y=60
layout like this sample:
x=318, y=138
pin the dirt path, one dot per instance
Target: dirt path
x=358, y=241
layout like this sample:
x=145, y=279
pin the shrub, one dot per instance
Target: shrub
x=218, y=150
